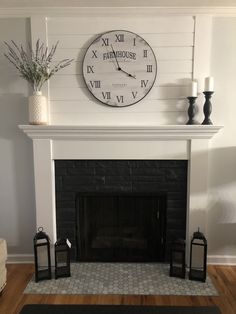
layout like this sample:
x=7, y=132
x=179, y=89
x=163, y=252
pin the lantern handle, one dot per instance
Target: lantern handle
x=40, y=229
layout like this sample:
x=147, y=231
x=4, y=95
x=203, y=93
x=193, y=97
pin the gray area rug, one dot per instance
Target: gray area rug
x=121, y=278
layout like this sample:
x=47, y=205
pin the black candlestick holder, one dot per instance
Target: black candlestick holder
x=207, y=108
x=191, y=110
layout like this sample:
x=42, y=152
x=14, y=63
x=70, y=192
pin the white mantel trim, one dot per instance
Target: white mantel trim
x=53, y=142
x=165, y=132
x=116, y=11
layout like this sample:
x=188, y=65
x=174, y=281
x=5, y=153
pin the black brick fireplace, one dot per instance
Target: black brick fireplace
x=121, y=210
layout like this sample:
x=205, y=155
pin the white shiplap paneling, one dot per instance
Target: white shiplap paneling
x=91, y=106
x=94, y=25
x=118, y=117
x=172, y=39
x=38, y=25
x=78, y=41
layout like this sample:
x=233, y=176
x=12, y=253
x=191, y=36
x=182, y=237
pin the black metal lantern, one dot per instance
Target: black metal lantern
x=198, y=257
x=42, y=258
x=177, y=259
x=62, y=258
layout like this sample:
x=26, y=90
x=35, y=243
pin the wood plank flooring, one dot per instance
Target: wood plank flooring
x=13, y=299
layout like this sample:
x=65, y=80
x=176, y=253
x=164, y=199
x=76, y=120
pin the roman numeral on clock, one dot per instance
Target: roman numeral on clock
x=94, y=54
x=90, y=69
x=134, y=94
x=145, y=53
x=144, y=83
x=105, y=42
x=149, y=68
x=120, y=38
x=106, y=95
x=120, y=99
x=95, y=84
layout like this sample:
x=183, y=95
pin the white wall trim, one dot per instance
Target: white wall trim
x=221, y=259
x=167, y=132
x=115, y=11
x=211, y=259
x=20, y=258
x=45, y=178
x=119, y=142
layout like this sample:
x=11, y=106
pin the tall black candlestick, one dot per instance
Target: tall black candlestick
x=191, y=110
x=207, y=108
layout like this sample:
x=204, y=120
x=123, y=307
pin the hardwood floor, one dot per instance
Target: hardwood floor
x=13, y=299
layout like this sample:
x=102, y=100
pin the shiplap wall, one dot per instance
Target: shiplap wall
x=172, y=39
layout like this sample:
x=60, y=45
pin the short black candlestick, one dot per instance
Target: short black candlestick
x=191, y=110
x=207, y=108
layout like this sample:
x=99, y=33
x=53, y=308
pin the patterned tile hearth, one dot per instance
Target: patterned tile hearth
x=121, y=278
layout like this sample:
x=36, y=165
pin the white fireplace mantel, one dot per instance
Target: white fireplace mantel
x=173, y=132
x=173, y=142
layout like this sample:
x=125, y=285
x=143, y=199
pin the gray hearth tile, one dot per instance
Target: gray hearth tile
x=121, y=278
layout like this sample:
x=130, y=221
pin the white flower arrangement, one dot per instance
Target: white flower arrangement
x=35, y=66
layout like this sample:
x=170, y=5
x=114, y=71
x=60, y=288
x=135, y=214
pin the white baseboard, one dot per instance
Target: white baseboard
x=221, y=259
x=211, y=259
x=20, y=258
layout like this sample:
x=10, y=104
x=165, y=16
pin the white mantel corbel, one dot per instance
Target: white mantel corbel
x=188, y=142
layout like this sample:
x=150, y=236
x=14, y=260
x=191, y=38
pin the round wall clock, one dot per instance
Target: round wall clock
x=119, y=68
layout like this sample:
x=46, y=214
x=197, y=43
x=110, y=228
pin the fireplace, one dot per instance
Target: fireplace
x=121, y=210
x=189, y=143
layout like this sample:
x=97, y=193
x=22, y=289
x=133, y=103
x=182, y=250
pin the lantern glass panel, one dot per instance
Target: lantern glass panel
x=61, y=259
x=42, y=257
x=177, y=259
x=198, y=257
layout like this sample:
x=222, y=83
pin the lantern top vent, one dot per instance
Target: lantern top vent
x=41, y=235
x=197, y=235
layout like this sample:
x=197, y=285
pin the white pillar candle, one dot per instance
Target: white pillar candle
x=193, y=89
x=209, y=84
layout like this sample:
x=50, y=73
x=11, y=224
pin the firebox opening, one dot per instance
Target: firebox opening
x=95, y=197
x=121, y=228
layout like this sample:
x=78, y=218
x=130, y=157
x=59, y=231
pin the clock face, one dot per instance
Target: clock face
x=119, y=68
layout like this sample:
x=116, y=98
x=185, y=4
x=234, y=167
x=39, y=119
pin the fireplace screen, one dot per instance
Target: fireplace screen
x=121, y=228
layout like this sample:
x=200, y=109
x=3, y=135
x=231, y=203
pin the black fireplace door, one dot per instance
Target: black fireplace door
x=121, y=228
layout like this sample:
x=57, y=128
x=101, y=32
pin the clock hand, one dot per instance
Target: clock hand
x=127, y=73
x=118, y=67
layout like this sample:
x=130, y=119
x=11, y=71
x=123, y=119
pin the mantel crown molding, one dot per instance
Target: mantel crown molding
x=132, y=132
x=119, y=11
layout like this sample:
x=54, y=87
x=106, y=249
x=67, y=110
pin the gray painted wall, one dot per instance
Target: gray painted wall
x=17, y=209
x=222, y=176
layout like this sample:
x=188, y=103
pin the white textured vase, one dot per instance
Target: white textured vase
x=38, y=113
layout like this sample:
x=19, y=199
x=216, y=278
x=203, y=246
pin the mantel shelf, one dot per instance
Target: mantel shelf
x=122, y=132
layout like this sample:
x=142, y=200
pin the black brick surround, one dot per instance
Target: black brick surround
x=74, y=177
